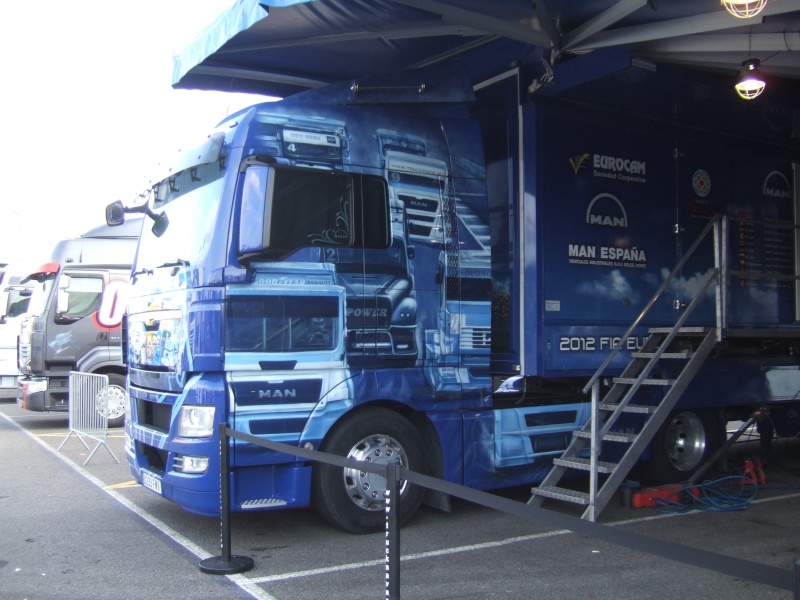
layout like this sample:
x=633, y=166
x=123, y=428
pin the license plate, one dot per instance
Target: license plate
x=151, y=482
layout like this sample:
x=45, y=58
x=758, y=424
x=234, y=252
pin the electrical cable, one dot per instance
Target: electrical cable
x=711, y=496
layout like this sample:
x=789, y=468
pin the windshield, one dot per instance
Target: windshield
x=282, y=324
x=17, y=303
x=191, y=201
x=40, y=296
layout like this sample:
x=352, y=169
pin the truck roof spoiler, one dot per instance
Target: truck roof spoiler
x=43, y=272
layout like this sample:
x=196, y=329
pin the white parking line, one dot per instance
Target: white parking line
x=482, y=546
x=243, y=582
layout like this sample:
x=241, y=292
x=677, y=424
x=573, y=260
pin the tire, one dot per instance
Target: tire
x=111, y=401
x=683, y=444
x=354, y=500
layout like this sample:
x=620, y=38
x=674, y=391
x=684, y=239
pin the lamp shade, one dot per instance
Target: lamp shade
x=744, y=9
x=750, y=83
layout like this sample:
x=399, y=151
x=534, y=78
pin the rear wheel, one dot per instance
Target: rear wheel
x=353, y=499
x=683, y=444
x=110, y=401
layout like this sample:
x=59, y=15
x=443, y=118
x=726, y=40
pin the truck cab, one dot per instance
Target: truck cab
x=72, y=334
x=14, y=301
x=75, y=322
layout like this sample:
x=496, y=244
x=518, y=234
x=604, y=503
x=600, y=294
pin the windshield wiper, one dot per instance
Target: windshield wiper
x=179, y=262
x=174, y=265
x=142, y=272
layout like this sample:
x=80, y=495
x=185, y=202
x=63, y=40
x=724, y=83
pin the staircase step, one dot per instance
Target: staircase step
x=559, y=493
x=677, y=355
x=632, y=380
x=629, y=408
x=682, y=330
x=611, y=436
x=585, y=464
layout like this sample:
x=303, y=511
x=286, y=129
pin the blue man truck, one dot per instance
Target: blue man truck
x=74, y=320
x=550, y=226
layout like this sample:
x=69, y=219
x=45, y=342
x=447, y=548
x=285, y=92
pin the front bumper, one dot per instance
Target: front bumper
x=43, y=394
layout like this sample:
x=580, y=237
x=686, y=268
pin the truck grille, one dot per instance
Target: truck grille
x=154, y=459
x=476, y=338
x=25, y=357
x=153, y=415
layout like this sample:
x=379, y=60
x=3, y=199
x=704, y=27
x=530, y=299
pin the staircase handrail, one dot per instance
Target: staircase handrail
x=623, y=340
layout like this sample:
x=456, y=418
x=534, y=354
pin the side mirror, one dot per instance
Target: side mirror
x=62, y=301
x=115, y=213
x=160, y=224
x=62, y=296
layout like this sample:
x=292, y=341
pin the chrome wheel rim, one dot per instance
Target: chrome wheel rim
x=686, y=441
x=110, y=402
x=366, y=489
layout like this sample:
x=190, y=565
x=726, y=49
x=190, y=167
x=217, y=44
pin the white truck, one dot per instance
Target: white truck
x=14, y=300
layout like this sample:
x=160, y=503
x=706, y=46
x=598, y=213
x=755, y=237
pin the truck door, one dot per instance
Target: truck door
x=701, y=184
x=73, y=327
x=380, y=305
x=416, y=169
x=752, y=186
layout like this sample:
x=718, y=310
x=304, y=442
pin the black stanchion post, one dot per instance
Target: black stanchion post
x=796, y=579
x=392, y=532
x=226, y=564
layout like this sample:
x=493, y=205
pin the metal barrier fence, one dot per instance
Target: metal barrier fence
x=87, y=398
x=226, y=563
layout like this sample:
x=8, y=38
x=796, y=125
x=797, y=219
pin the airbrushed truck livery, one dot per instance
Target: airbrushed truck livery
x=279, y=292
x=74, y=321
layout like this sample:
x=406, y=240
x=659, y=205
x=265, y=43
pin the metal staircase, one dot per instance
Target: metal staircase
x=678, y=344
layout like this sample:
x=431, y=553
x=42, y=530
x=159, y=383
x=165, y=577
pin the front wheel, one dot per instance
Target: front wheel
x=352, y=499
x=683, y=444
x=110, y=401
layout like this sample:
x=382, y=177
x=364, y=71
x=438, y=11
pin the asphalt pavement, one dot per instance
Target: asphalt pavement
x=64, y=534
x=74, y=531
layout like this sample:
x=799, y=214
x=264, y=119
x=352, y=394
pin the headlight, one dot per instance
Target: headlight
x=36, y=386
x=196, y=421
x=191, y=464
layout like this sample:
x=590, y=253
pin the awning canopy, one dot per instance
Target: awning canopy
x=281, y=47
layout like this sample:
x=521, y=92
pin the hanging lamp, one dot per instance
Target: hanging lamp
x=744, y=9
x=750, y=83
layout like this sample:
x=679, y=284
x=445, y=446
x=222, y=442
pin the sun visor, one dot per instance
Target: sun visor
x=42, y=273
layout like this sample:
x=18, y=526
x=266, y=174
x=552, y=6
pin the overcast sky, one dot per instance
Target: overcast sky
x=88, y=109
